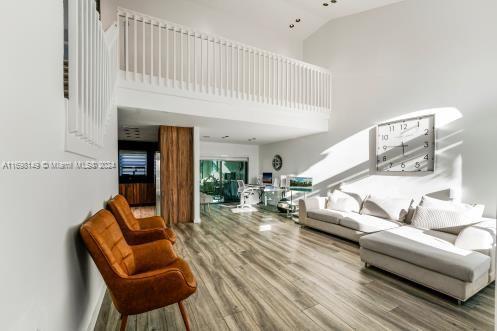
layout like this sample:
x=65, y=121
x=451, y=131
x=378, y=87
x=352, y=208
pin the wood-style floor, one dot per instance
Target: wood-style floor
x=260, y=271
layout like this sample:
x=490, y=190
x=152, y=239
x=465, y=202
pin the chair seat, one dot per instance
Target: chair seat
x=425, y=248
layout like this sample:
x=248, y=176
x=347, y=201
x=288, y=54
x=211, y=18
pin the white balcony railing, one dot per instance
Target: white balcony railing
x=92, y=77
x=163, y=54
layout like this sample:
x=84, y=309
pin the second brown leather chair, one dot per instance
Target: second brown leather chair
x=140, y=278
x=141, y=230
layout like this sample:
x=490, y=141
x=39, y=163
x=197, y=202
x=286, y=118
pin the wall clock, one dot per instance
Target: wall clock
x=406, y=145
x=277, y=162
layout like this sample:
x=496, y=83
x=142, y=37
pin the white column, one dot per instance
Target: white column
x=196, y=175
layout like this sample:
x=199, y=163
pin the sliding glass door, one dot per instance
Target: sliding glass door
x=218, y=179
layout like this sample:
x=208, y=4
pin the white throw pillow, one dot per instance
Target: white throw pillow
x=342, y=201
x=388, y=208
x=444, y=220
x=474, y=211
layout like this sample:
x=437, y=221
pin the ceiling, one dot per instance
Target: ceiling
x=279, y=14
x=142, y=125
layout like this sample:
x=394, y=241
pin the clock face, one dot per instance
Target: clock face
x=406, y=145
x=277, y=162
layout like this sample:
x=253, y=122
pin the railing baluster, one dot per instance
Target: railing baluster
x=242, y=72
x=232, y=67
x=237, y=71
x=159, y=32
x=167, y=52
x=151, y=51
x=214, y=71
x=143, y=50
x=126, y=47
x=174, y=55
x=181, y=60
x=226, y=68
x=252, y=75
x=208, y=64
x=201, y=63
x=194, y=61
x=220, y=69
x=188, y=80
x=135, y=47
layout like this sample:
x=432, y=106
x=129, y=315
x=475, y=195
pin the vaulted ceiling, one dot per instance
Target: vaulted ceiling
x=279, y=14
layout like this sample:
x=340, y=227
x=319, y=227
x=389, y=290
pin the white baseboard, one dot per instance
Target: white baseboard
x=96, y=309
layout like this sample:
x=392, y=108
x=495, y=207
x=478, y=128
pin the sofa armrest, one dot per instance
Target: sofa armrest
x=480, y=238
x=308, y=204
x=153, y=255
x=153, y=222
x=315, y=203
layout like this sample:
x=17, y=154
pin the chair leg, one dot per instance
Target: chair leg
x=124, y=321
x=184, y=314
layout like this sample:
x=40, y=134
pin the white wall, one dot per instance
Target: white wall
x=208, y=19
x=108, y=10
x=396, y=61
x=49, y=282
x=223, y=150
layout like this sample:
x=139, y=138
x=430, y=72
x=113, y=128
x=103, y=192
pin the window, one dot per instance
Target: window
x=132, y=163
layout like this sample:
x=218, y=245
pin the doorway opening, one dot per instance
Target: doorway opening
x=218, y=179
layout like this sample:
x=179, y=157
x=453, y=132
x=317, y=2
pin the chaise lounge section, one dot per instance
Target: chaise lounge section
x=458, y=261
x=435, y=259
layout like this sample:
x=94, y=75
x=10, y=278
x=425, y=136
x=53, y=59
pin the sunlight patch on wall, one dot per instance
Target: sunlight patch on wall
x=349, y=161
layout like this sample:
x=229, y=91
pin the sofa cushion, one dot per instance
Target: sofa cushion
x=473, y=211
x=342, y=201
x=387, y=208
x=479, y=237
x=326, y=215
x=441, y=220
x=367, y=223
x=425, y=248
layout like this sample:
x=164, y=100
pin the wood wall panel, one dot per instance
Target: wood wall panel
x=176, y=149
x=185, y=174
x=138, y=194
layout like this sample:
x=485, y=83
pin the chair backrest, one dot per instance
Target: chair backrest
x=122, y=212
x=107, y=246
x=241, y=185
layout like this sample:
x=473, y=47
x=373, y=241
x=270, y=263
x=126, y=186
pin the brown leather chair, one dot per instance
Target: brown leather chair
x=141, y=230
x=142, y=277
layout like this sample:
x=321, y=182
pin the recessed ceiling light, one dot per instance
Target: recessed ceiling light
x=297, y=20
x=325, y=4
x=333, y=1
x=292, y=26
x=224, y=137
x=206, y=137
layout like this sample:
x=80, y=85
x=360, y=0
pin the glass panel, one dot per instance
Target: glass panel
x=218, y=180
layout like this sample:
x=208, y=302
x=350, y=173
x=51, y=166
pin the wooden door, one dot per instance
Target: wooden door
x=176, y=174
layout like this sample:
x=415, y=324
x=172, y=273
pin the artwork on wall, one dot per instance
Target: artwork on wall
x=303, y=184
x=267, y=178
x=406, y=145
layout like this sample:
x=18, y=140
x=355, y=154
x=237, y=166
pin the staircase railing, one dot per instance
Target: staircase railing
x=92, y=73
x=159, y=53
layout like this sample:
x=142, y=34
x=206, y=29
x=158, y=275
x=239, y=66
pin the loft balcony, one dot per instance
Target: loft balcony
x=172, y=68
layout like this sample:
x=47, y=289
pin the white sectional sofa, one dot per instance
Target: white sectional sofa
x=435, y=246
